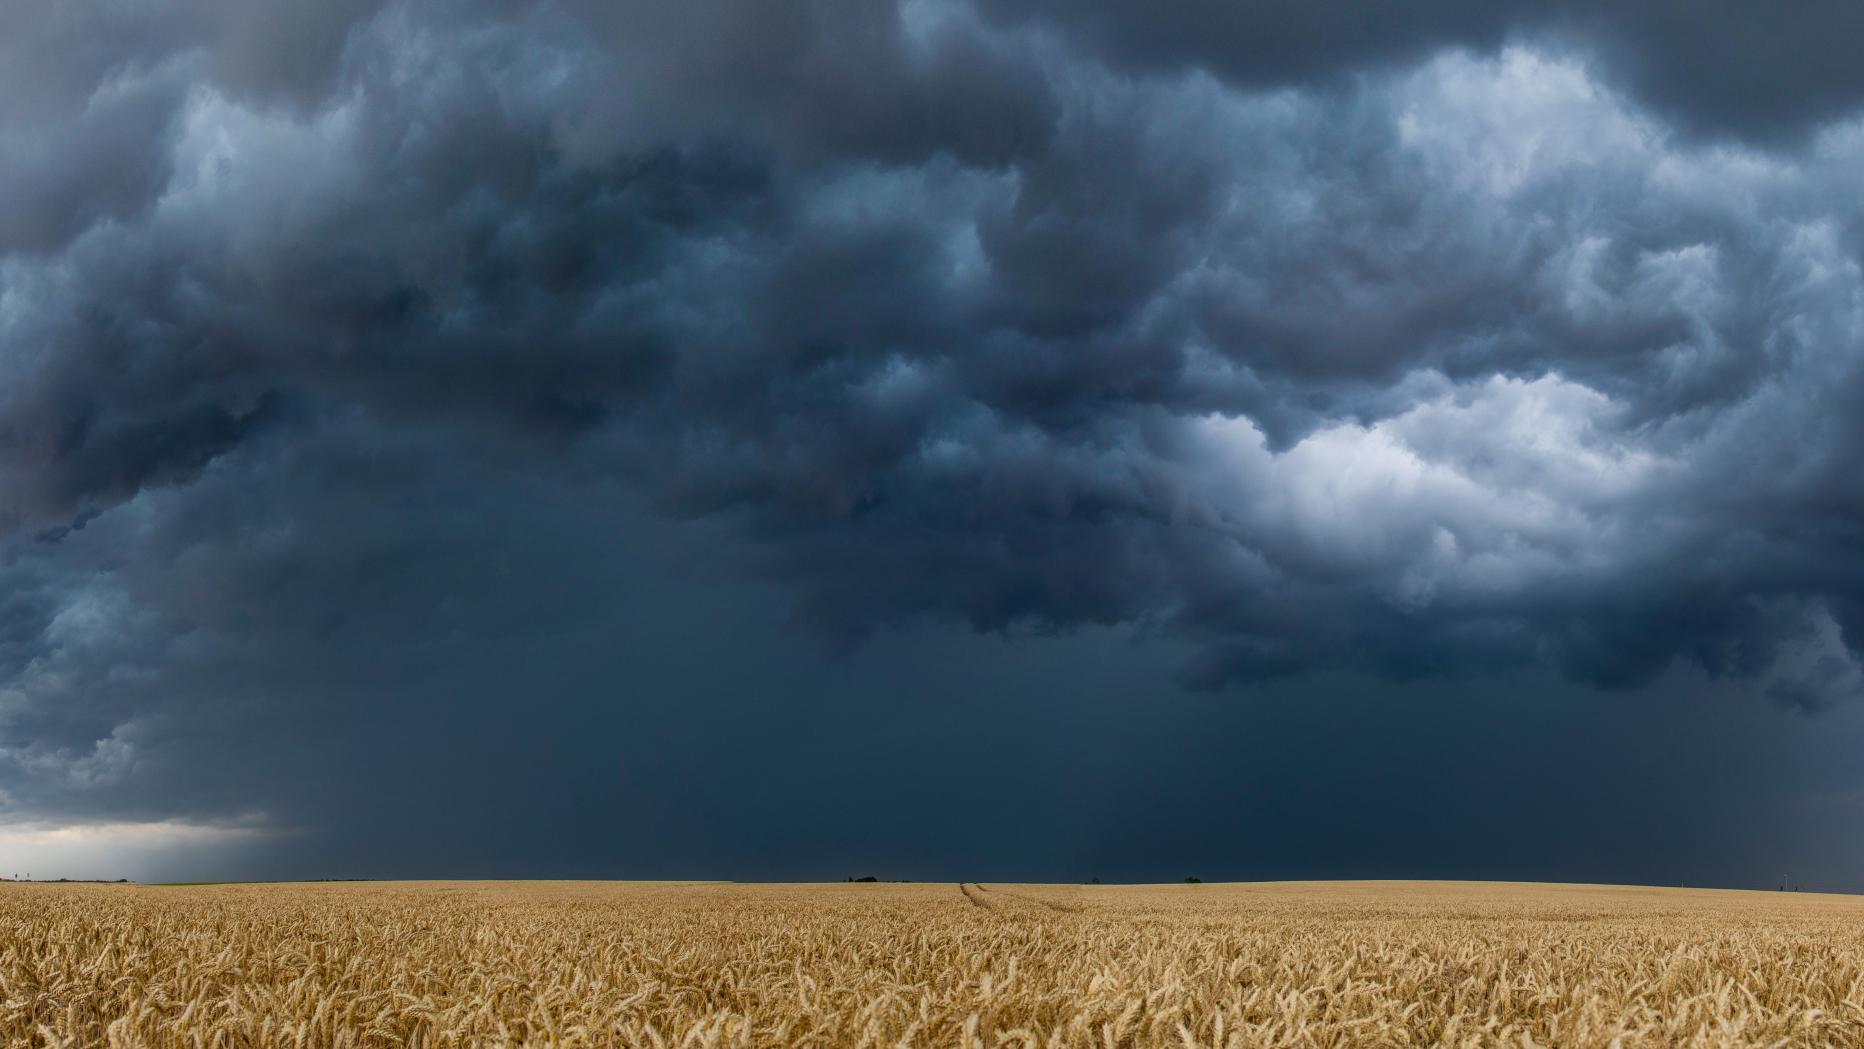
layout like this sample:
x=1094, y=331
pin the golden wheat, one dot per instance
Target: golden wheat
x=603, y=964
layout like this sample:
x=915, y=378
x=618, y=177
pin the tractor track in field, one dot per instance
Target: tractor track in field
x=997, y=899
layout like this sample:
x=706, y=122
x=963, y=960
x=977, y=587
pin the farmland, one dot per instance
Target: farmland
x=712, y=964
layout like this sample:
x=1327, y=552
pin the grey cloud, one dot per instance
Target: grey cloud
x=847, y=79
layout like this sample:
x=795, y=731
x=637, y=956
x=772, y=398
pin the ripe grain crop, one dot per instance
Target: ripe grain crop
x=691, y=965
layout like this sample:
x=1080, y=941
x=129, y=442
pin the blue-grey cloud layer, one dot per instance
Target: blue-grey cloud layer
x=1472, y=341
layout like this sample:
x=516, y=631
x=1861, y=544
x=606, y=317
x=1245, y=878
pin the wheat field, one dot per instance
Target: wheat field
x=701, y=964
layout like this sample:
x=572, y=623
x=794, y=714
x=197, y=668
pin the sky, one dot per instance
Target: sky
x=989, y=440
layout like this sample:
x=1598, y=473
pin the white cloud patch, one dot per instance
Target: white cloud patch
x=1494, y=488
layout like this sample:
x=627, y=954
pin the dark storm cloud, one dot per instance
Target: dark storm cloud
x=1470, y=341
x=1724, y=68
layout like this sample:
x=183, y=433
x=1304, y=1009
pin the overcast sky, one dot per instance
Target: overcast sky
x=1008, y=439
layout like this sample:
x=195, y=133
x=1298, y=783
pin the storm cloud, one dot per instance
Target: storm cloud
x=346, y=347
